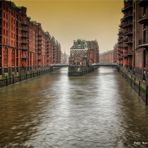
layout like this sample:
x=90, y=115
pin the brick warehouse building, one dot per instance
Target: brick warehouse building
x=133, y=37
x=24, y=46
x=107, y=57
x=84, y=53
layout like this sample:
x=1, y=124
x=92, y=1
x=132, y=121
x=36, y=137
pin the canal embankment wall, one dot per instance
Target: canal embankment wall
x=24, y=76
x=140, y=86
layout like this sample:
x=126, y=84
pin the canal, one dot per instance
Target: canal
x=57, y=111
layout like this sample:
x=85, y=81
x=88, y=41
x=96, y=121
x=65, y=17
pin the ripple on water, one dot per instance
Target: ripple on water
x=96, y=110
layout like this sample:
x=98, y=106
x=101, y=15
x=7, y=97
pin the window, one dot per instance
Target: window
x=144, y=36
x=7, y=16
x=6, y=32
x=3, y=14
x=144, y=10
x=13, y=57
x=6, y=57
x=7, y=41
x=7, y=24
x=144, y=26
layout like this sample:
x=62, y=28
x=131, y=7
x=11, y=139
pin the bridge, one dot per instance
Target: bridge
x=106, y=64
x=95, y=65
x=59, y=65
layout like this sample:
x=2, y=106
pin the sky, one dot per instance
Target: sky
x=69, y=20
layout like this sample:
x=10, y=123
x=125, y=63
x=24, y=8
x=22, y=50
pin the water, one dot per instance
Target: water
x=98, y=110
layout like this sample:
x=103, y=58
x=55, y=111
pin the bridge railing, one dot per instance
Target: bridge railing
x=105, y=64
x=59, y=65
x=95, y=64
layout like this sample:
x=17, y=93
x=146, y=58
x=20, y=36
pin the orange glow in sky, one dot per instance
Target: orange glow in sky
x=69, y=20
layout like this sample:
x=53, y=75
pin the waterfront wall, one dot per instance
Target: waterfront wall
x=24, y=76
x=140, y=86
x=131, y=51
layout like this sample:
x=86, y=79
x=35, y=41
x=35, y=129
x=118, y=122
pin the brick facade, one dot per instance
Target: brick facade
x=24, y=46
x=84, y=53
x=132, y=50
x=107, y=57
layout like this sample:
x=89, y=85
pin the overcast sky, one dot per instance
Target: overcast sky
x=69, y=20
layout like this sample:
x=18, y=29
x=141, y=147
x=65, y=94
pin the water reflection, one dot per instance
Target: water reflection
x=54, y=110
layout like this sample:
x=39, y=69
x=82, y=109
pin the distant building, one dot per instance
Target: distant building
x=64, y=58
x=84, y=53
x=115, y=52
x=93, y=52
x=107, y=57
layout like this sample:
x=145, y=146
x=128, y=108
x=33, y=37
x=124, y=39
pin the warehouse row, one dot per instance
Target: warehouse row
x=24, y=45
